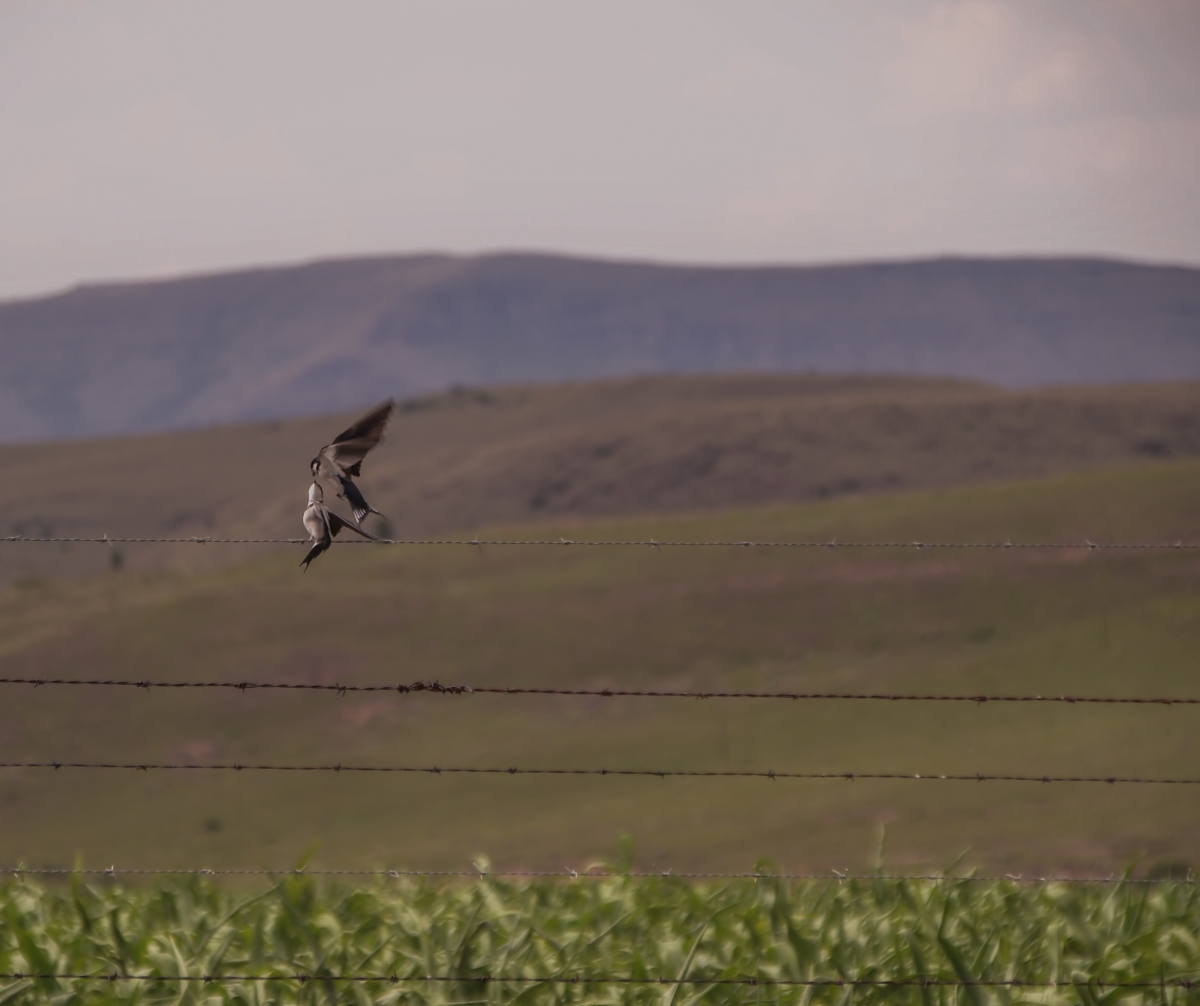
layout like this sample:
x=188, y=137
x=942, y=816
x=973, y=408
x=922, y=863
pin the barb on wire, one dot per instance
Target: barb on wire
x=437, y=688
x=586, y=874
x=643, y=772
x=925, y=981
x=633, y=543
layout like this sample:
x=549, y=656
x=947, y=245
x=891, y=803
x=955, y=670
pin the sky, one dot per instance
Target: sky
x=146, y=138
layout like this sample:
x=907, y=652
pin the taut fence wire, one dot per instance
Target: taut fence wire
x=437, y=688
x=648, y=773
x=922, y=981
x=833, y=876
x=638, y=543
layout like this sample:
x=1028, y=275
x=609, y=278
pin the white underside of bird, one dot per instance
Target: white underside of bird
x=322, y=524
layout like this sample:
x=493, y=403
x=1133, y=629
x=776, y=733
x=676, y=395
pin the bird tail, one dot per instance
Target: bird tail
x=353, y=495
x=313, y=552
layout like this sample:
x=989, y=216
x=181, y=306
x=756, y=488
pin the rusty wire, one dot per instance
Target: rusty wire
x=588, y=874
x=655, y=773
x=636, y=543
x=437, y=688
x=923, y=981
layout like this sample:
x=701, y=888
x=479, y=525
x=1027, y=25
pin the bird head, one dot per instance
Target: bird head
x=315, y=493
x=315, y=466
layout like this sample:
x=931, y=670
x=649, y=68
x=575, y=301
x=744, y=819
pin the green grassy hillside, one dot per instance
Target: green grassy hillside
x=472, y=459
x=1098, y=622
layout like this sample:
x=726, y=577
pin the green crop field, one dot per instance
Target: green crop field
x=709, y=936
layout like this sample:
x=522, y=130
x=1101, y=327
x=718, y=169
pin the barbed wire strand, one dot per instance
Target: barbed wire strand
x=586, y=874
x=633, y=543
x=437, y=688
x=393, y=979
x=655, y=773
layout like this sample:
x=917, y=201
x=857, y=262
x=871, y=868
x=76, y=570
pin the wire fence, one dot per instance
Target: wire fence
x=634, y=543
x=922, y=981
x=437, y=688
x=770, y=774
x=832, y=876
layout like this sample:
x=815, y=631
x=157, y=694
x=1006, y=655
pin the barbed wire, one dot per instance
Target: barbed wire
x=924, y=981
x=588, y=874
x=633, y=543
x=437, y=688
x=654, y=773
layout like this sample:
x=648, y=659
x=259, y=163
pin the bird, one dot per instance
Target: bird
x=342, y=460
x=322, y=524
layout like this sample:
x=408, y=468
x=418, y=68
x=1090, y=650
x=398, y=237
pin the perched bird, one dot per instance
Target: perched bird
x=322, y=524
x=342, y=460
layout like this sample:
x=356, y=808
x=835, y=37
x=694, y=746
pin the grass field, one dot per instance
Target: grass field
x=640, y=929
x=1071, y=621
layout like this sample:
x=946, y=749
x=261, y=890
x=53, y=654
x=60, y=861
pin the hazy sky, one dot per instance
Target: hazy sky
x=154, y=138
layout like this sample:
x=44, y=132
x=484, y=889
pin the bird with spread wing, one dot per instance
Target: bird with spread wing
x=341, y=461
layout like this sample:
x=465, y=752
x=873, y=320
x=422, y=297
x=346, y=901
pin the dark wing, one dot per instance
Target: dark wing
x=351, y=445
x=336, y=523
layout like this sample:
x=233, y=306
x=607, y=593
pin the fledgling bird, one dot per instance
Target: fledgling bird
x=341, y=461
x=322, y=524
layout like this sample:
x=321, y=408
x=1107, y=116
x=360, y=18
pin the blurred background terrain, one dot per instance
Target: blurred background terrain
x=699, y=457
x=853, y=271
x=272, y=343
x=1069, y=621
x=473, y=458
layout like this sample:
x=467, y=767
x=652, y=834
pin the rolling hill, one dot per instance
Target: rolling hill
x=465, y=460
x=301, y=340
x=903, y=621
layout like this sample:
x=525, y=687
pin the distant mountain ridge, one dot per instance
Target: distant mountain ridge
x=305, y=339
